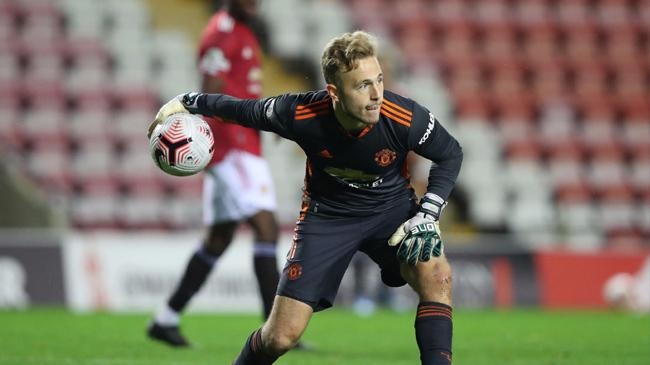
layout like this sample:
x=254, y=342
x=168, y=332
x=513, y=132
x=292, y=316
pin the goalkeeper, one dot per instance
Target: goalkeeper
x=357, y=194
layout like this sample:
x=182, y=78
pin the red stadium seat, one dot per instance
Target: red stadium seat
x=507, y=83
x=549, y=82
x=541, y=43
x=590, y=81
x=532, y=12
x=449, y=12
x=573, y=12
x=499, y=43
x=470, y=109
x=416, y=42
x=614, y=13
x=631, y=82
x=458, y=42
x=581, y=43
x=466, y=80
x=490, y=12
x=623, y=46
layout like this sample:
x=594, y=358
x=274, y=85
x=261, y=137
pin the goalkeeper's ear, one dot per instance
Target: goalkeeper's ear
x=398, y=235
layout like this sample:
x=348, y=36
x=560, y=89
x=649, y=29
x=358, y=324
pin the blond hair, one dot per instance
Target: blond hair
x=342, y=54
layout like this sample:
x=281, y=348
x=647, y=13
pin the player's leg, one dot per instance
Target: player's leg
x=265, y=229
x=432, y=281
x=280, y=333
x=221, y=212
x=319, y=256
x=165, y=326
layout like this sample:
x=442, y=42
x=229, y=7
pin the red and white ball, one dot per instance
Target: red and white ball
x=182, y=145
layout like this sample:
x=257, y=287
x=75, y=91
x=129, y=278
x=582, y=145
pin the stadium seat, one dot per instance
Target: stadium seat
x=613, y=13
x=507, y=83
x=540, y=43
x=41, y=22
x=499, y=43
x=532, y=218
x=95, y=205
x=623, y=46
x=84, y=18
x=565, y=162
x=630, y=82
x=466, y=80
x=44, y=123
x=616, y=211
x=47, y=163
x=8, y=21
x=88, y=66
x=639, y=181
x=557, y=127
x=487, y=13
x=576, y=216
x=93, y=160
x=89, y=122
x=458, y=43
x=549, y=83
x=182, y=213
x=531, y=12
x=599, y=124
x=516, y=125
x=573, y=12
x=590, y=81
x=447, y=12
x=415, y=39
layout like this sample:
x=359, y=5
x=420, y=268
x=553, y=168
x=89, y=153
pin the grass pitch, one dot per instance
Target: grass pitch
x=58, y=337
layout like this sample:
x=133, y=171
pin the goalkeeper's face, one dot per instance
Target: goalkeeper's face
x=359, y=94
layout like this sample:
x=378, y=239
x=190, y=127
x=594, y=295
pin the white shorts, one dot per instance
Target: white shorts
x=237, y=188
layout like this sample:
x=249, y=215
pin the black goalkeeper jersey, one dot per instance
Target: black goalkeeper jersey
x=351, y=175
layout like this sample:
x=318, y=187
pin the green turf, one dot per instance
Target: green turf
x=57, y=337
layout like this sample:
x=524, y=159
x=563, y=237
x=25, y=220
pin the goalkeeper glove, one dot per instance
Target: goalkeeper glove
x=419, y=237
x=183, y=103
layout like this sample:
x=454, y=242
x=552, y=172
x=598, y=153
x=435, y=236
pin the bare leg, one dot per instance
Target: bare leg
x=280, y=333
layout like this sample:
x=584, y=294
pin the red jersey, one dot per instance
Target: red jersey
x=229, y=50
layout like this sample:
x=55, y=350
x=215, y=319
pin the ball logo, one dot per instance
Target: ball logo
x=294, y=271
x=385, y=157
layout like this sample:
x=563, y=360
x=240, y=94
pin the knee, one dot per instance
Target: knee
x=278, y=343
x=431, y=280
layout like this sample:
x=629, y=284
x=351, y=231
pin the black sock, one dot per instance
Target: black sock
x=196, y=273
x=266, y=271
x=433, y=332
x=252, y=353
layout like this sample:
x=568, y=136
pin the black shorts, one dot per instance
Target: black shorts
x=323, y=246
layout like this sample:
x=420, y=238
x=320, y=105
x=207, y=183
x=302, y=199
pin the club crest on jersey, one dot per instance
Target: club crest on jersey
x=385, y=157
x=294, y=271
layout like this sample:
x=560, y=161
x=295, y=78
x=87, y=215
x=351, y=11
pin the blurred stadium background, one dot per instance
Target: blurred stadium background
x=550, y=100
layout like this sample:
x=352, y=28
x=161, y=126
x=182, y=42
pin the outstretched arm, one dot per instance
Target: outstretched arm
x=252, y=113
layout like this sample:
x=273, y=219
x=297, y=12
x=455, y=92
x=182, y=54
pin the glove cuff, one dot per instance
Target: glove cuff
x=191, y=102
x=431, y=206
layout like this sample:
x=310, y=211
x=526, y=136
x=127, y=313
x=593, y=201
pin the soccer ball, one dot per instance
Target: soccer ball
x=182, y=145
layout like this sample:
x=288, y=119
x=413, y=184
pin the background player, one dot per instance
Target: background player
x=356, y=137
x=237, y=185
